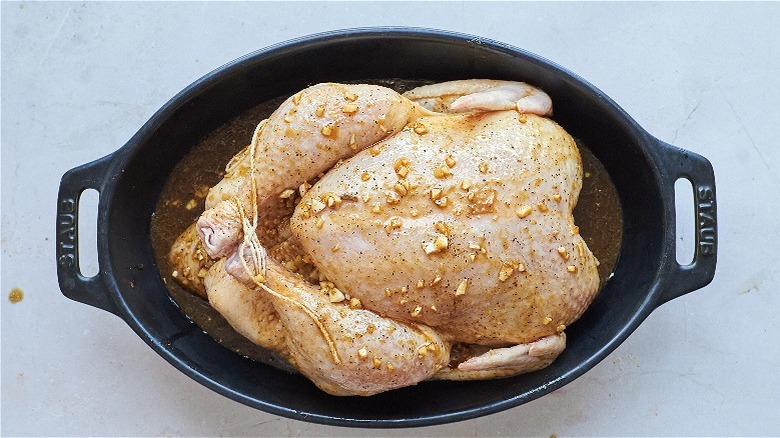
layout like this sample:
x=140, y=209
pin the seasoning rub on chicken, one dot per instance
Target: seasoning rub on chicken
x=424, y=222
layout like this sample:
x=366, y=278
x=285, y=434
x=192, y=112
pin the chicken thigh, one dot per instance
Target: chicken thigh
x=363, y=353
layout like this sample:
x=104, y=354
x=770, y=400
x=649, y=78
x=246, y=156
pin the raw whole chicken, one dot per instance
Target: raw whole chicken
x=440, y=220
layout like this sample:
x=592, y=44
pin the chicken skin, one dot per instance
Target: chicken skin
x=307, y=135
x=247, y=310
x=188, y=262
x=439, y=219
x=465, y=225
x=345, y=349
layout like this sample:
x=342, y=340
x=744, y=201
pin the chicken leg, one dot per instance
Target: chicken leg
x=307, y=135
x=342, y=348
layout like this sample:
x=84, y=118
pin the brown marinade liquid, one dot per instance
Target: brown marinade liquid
x=598, y=215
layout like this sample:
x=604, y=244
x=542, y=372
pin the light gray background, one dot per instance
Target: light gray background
x=79, y=79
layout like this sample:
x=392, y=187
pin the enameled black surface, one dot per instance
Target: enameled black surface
x=130, y=180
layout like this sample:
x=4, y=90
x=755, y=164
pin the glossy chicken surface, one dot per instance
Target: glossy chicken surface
x=439, y=218
x=307, y=135
x=465, y=225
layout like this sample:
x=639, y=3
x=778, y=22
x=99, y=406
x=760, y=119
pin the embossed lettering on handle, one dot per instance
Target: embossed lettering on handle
x=708, y=238
x=66, y=233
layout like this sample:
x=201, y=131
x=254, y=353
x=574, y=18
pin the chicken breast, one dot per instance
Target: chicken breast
x=461, y=222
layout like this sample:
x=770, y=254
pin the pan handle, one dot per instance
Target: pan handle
x=87, y=290
x=676, y=163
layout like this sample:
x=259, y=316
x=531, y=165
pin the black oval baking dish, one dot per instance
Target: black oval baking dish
x=643, y=168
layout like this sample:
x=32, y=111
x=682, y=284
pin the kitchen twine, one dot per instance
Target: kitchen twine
x=259, y=253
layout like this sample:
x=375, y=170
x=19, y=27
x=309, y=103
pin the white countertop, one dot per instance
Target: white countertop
x=79, y=79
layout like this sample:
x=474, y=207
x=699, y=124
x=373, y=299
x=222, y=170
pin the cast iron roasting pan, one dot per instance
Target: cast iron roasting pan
x=129, y=181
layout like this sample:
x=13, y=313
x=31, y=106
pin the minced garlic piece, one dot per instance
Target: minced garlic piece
x=505, y=272
x=420, y=129
x=442, y=202
x=377, y=363
x=349, y=109
x=400, y=163
x=483, y=167
x=320, y=111
x=436, y=280
x=354, y=303
x=465, y=184
x=571, y=268
x=580, y=249
x=332, y=200
x=352, y=141
x=461, y=290
x=377, y=208
x=442, y=172
x=450, y=161
x=560, y=328
x=350, y=96
x=320, y=222
x=317, y=205
x=363, y=353
x=436, y=193
x=557, y=197
x=563, y=253
x=365, y=176
x=542, y=207
x=439, y=244
x=393, y=224
x=400, y=189
x=303, y=188
x=416, y=312
x=335, y=295
x=393, y=197
x=524, y=211
x=286, y=194
x=326, y=130
x=546, y=320
x=420, y=284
